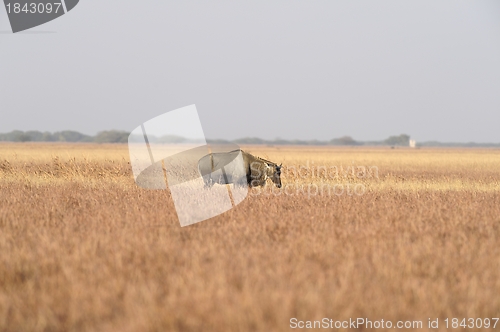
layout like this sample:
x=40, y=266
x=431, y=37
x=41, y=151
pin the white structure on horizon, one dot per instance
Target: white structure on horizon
x=413, y=143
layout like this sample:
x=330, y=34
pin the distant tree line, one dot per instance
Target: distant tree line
x=116, y=136
x=111, y=136
x=401, y=140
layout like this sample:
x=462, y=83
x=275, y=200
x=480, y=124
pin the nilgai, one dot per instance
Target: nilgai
x=238, y=167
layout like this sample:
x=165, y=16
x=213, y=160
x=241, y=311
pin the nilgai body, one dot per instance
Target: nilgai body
x=238, y=167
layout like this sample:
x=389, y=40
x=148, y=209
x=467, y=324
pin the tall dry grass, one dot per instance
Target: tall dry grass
x=82, y=248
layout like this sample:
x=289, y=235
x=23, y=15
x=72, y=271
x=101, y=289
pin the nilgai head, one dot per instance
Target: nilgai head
x=276, y=178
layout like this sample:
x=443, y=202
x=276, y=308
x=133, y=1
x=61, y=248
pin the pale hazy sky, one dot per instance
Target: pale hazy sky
x=289, y=69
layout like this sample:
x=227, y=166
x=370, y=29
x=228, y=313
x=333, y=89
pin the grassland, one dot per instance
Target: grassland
x=82, y=248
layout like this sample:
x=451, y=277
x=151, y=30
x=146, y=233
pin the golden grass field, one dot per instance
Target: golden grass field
x=82, y=248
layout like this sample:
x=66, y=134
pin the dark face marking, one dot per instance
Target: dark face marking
x=277, y=176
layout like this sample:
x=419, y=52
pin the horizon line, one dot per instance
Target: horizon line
x=101, y=137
